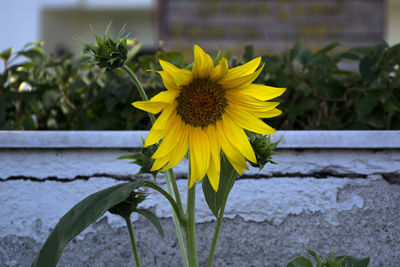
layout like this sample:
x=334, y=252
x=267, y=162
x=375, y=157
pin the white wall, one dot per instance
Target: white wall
x=20, y=19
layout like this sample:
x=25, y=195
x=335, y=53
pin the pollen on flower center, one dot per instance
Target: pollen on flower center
x=201, y=103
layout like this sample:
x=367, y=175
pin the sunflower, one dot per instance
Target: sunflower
x=206, y=110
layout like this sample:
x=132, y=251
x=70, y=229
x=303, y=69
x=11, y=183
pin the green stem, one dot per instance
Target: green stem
x=169, y=176
x=177, y=214
x=216, y=233
x=190, y=227
x=219, y=221
x=139, y=87
x=134, y=248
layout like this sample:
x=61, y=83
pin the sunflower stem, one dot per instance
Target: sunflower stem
x=134, y=248
x=169, y=175
x=139, y=87
x=216, y=233
x=218, y=227
x=190, y=227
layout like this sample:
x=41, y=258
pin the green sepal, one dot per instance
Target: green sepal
x=143, y=159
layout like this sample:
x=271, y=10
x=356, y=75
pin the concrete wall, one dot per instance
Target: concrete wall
x=331, y=191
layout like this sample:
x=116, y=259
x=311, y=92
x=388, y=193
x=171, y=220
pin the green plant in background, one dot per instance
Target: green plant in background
x=41, y=92
x=358, y=88
x=329, y=261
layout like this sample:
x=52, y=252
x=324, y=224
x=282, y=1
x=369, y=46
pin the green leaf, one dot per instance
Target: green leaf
x=227, y=179
x=79, y=218
x=300, y=262
x=36, y=53
x=175, y=58
x=366, y=104
x=315, y=255
x=295, y=51
x=322, y=61
x=350, y=261
x=133, y=51
x=218, y=58
x=248, y=53
x=328, y=48
x=153, y=219
x=6, y=54
x=369, y=63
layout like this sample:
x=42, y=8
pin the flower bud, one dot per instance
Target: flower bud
x=129, y=205
x=263, y=148
x=108, y=53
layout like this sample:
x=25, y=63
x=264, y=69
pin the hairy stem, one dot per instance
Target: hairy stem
x=134, y=248
x=190, y=227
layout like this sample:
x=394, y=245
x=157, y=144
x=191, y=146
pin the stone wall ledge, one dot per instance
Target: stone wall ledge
x=133, y=139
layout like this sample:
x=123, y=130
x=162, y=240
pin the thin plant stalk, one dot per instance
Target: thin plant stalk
x=219, y=221
x=190, y=227
x=175, y=219
x=139, y=87
x=134, y=248
x=216, y=233
x=169, y=175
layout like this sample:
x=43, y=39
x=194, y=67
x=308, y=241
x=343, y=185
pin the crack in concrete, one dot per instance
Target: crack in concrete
x=317, y=174
x=127, y=178
x=390, y=177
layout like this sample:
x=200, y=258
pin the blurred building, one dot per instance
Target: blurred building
x=268, y=25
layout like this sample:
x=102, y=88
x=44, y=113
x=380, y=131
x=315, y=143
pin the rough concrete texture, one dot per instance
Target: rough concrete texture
x=324, y=199
x=371, y=230
x=74, y=163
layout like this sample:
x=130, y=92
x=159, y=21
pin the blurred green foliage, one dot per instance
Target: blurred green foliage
x=358, y=88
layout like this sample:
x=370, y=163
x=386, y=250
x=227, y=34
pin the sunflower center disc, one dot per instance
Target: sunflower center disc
x=201, y=103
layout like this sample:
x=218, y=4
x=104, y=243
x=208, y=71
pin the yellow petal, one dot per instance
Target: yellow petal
x=169, y=141
x=165, y=96
x=244, y=69
x=238, y=138
x=213, y=176
x=203, y=64
x=248, y=121
x=234, y=156
x=159, y=163
x=199, y=153
x=180, y=150
x=267, y=114
x=215, y=147
x=168, y=80
x=164, y=119
x=249, y=102
x=235, y=82
x=180, y=76
x=152, y=107
x=154, y=136
x=219, y=71
x=262, y=92
x=160, y=126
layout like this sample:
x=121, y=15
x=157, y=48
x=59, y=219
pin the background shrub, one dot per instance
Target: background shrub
x=358, y=88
